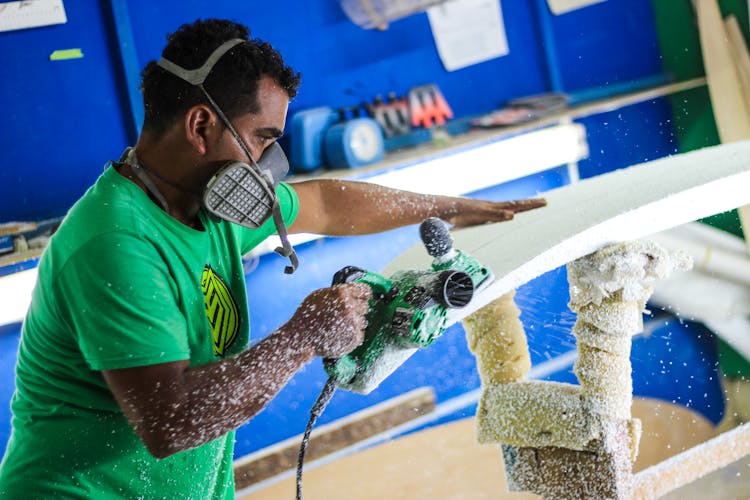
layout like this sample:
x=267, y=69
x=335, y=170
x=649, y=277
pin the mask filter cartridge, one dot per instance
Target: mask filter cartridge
x=237, y=194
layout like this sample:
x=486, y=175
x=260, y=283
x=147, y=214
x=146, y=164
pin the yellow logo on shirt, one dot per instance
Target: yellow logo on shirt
x=221, y=309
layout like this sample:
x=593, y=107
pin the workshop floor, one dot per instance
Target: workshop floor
x=444, y=462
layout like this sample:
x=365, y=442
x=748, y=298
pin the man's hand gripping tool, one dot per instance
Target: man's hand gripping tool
x=408, y=311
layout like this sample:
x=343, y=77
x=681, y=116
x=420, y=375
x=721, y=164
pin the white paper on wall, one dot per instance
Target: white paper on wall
x=468, y=32
x=562, y=6
x=31, y=14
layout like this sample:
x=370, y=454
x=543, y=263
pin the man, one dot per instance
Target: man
x=133, y=369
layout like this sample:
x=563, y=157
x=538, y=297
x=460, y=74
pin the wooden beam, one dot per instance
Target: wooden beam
x=730, y=107
x=14, y=228
x=742, y=64
x=725, y=59
x=17, y=257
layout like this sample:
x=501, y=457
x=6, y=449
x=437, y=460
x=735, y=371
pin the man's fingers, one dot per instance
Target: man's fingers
x=359, y=292
x=358, y=295
x=501, y=215
x=523, y=205
x=362, y=290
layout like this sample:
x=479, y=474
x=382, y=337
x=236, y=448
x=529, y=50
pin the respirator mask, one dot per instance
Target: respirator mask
x=242, y=193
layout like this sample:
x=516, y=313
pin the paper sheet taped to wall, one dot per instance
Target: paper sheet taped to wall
x=468, y=32
x=562, y=6
x=31, y=14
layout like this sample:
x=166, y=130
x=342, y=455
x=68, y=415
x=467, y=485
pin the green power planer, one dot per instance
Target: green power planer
x=408, y=310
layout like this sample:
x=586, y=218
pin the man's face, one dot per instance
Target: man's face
x=257, y=130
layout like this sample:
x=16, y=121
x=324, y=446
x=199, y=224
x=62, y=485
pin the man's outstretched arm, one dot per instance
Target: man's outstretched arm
x=338, y=208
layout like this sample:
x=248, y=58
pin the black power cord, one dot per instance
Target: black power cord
x=320, y=404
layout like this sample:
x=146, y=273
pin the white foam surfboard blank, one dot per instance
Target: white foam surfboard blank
x=581, y=218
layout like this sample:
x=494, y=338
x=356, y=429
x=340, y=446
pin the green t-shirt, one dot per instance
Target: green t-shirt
x=123, y=284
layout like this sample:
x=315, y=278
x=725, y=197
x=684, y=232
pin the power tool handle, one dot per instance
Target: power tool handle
x=381, y=287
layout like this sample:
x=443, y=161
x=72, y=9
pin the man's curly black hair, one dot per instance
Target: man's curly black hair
x=232, y=83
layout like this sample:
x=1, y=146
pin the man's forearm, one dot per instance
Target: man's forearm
x=173, y=407
x=213, y=399
x=338, y=208
x=348, y=208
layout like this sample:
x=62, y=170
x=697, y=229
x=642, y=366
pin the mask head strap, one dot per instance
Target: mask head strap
x=129, y=157
x=197, y=77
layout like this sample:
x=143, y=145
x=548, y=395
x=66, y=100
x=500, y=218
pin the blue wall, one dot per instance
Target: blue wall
x=61, y=119
x=65, y=119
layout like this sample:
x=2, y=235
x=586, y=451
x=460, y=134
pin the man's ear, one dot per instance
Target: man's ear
x=201, y=127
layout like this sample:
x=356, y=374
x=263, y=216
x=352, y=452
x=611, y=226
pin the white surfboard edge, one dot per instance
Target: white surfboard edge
x=580, y=218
